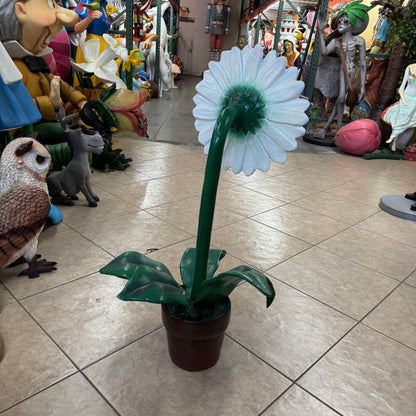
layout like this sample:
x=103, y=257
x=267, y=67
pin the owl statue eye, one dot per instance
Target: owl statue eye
x=40, y=159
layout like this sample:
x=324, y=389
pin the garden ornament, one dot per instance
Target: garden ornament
x=24, y=204
x=402, y=114
x=351, y=20
x=247, y=111
x=26, y=29
x=63, y=186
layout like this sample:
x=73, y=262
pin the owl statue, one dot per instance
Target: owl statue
x=24, y=204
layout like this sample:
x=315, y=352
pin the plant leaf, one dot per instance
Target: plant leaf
x=153, y=292
x=130, y=264
x=187, y=266
x=223, y=284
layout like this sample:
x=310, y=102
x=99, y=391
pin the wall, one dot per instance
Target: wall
x=193, y=43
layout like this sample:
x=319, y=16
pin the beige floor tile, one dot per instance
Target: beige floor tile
x=391, y=226
x=138, y=232
x=312, y=179
x=297, y=402
x=360, y=191
x=160, y=168
x=338, y=208
x=385, y=182
x=246, y=202
x=108, y=207
x=150, y=194
x=366, y=374
x=171, y=257
x=5, y=297
x=291, y=334
x=283, y=190
x=374, y=251
x=256, y=244
x=301, y=223
x=340, y=283
x=185, y=214
x=109, y=181
x=71, y=397
x=396, y=316
x=239, y=384
x=32, y=361
x=88, y=320
x=411, y=280
x=75, y=257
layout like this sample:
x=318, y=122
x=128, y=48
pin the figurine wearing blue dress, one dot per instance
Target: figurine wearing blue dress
x=402, y=115
x=17, y=106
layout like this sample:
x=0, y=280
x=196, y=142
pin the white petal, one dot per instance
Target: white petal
x=283, y=135
x=276, y=152
x=110, y=40
x=286, y=92
x=217, y=71
x=83, y=66
x=252, y=58
x=91, y=49
x=231, y=60
x=259, y=153
x=286, y=115
x=234, y=151
x=210, y=90
x=204, y=109
x=106, y=56
x=249, y=164
x=109, y=77
x=270, y=71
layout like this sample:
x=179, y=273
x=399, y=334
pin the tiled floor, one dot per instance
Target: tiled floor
x=340, y=337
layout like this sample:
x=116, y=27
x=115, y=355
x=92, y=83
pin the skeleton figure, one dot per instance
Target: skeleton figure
x=24, y=203
x=348, y=24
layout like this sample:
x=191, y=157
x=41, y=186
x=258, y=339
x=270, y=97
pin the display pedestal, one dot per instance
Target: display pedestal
x=399, y=206
x=328, y=141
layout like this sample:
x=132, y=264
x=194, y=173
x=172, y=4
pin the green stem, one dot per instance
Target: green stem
x=209, y=193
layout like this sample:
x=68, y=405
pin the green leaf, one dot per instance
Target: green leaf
x=223, y=284
x=187, y=265
x=352, y=18
x=153, y=292
x=131, y=264
x=361, y=14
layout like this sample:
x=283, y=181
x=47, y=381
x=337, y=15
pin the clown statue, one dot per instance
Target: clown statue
x=26, y=29
x=217, y=25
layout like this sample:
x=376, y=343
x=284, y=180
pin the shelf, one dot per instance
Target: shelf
x=187, y=19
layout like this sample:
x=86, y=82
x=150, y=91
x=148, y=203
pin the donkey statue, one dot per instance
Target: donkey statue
x=63, y=186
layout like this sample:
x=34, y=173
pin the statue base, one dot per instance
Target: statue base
x=328, y=140
x=399, y=206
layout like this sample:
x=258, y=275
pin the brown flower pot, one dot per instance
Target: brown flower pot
x=196, y=345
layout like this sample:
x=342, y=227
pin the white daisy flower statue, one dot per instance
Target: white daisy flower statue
x=247, y=111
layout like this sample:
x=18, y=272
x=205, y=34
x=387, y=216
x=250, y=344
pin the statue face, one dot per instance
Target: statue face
x=344, y=24
x=288, y=46
x=41, y=21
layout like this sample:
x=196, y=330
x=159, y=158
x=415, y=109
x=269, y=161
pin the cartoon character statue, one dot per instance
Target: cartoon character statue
x=350, y=22
x=290, y=53
x=26, y=29
x=17, y=106
x=402, y=115
x=217, y=25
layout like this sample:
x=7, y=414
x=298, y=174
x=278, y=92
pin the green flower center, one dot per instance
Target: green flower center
x=252, y=109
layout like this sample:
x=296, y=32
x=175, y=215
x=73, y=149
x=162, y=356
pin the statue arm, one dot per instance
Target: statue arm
x=403, y=86
x=363, y=67
x=208, y=21
x=227, y=19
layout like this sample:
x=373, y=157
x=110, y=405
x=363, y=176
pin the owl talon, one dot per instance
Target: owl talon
x=38, y=266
